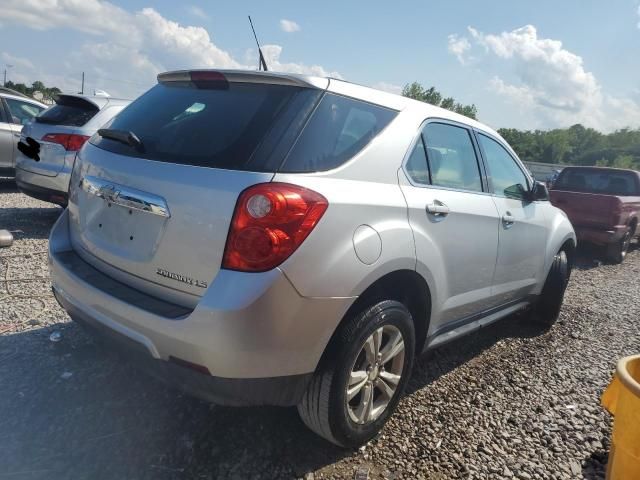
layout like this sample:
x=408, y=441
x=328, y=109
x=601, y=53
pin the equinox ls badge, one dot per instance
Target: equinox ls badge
x=181, y=278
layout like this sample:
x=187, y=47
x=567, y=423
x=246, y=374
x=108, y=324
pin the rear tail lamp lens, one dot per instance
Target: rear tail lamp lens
x=71, y=142
x=270, y=222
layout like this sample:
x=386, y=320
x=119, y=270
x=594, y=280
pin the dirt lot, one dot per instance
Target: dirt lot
x=508, y=402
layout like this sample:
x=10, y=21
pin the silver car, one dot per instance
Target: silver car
x=48, y=145
x=16, y=110
x=262, y=238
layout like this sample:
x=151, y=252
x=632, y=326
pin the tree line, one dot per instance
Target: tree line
x=48, y=93
x=576, y=145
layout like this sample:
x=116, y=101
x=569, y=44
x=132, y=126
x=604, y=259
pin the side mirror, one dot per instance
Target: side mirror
x=539, y=192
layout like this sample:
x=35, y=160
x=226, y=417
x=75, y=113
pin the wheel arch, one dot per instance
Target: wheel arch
x=569, y=247
x=633, y=223
x=406, y=286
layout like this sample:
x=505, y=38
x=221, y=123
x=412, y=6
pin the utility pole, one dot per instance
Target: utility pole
x=82, y=89
x=5, y=74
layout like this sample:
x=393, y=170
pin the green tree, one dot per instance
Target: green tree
x=621, y=161
x=577, y=145
x=48, y=93
x=38, y=86
x=431, y=95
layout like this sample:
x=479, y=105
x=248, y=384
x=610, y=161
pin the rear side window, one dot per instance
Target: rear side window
x=70, y=111
x=417, y=167
x=211, y=127
x=339, y=128
x=22, y=112
x=452, y=158
x=608, y=182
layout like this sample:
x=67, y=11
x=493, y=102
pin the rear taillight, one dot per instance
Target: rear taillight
x=616, y=212
x=71, y=142
x=270, y=222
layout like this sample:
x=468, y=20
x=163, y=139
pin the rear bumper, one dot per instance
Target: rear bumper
x=7, y=172
x=281, y=391
x=258, y=338
x=42, y=187
x=600, y=236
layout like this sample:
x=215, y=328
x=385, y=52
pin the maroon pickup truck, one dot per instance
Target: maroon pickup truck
x=603, y=205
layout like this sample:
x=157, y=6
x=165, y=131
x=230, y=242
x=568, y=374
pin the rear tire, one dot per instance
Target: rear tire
x=617, y=252
x=547, y=308
x=362, y=375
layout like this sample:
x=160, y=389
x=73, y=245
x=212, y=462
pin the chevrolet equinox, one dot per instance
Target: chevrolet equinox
x=272, y=239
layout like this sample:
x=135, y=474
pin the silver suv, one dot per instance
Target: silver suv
x=261, y=238
x=48, y=145
x=16, y=110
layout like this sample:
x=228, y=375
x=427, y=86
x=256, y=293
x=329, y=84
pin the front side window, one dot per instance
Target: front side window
x=507, y=178
x=22, y=112
x=452, y=158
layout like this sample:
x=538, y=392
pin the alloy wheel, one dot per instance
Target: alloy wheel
x=375, y=374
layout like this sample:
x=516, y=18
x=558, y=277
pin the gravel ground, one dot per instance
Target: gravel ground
x=508, y=402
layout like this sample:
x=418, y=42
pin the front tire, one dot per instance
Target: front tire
x=362, y=375
x=547, y=308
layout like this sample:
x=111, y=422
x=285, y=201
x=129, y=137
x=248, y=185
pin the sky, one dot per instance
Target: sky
x=525, y=64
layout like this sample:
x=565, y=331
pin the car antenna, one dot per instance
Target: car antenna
x=262, y=64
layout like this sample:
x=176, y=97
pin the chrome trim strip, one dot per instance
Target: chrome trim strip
x=125, y=196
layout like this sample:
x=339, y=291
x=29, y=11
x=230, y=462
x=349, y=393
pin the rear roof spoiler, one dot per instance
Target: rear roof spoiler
x=94, y=102
x=249, y=76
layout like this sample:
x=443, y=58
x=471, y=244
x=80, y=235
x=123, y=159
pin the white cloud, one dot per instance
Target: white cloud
x=197, y=12
x=289, y=26
x=550, y=81
x=639, y=15
x=126, y=50
x=9, y=59
x=272, y=57
x=90, y=16
x=458, y=46
x=388, y=87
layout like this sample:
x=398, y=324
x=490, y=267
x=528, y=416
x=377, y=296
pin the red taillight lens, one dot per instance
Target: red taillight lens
x=270, y=222
x=69, y=141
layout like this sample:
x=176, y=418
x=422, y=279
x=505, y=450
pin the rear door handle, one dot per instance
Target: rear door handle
x=508, y=220
x=438, y=209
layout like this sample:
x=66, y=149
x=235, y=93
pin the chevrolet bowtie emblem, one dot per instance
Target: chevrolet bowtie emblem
x=109, y=193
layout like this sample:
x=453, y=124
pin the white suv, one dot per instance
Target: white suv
x=263, y=238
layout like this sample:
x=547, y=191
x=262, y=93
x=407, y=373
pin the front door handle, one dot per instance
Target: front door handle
x=438, y=209
x=508, y=220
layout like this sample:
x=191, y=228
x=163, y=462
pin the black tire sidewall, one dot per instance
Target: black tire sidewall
x=617, y=251
x=350, y=342
x=552, y=296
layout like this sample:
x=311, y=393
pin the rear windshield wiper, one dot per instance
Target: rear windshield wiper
x=123, y=136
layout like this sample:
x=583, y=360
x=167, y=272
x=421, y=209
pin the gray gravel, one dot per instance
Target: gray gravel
x=508, y=402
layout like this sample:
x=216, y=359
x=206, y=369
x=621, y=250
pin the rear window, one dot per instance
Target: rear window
x=339, y=129
x=247, y=126
x=608, y=182
x=237, y=128
x=70, y=111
